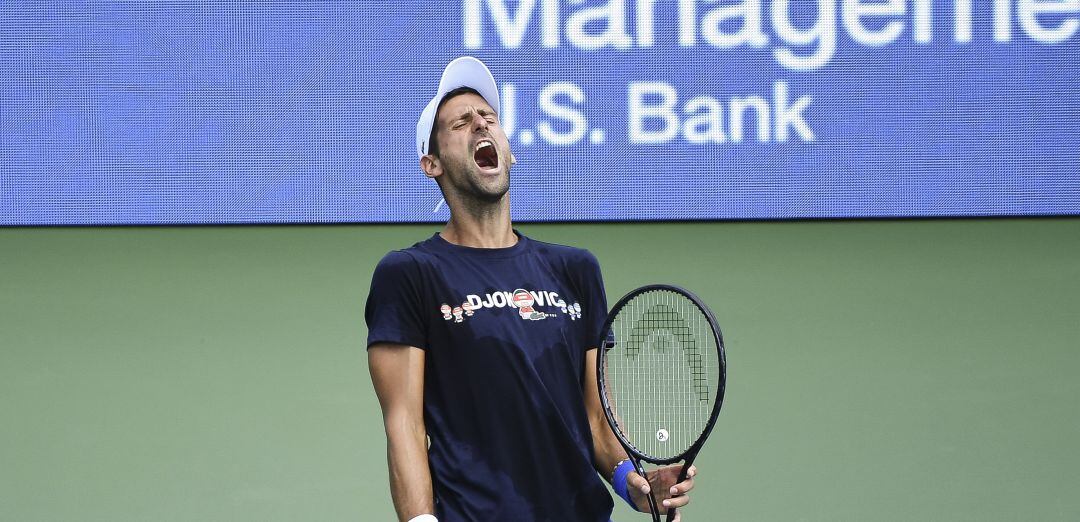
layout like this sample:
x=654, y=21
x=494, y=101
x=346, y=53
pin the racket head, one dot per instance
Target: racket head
x=634, y=394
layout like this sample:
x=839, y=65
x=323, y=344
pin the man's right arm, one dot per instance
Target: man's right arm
x=397, y=371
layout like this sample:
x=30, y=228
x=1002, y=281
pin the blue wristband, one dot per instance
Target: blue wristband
x=618, y=481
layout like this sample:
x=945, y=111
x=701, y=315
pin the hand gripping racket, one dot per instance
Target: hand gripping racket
x=661, y=374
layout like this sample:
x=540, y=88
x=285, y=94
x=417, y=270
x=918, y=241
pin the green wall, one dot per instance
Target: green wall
x=879, y=370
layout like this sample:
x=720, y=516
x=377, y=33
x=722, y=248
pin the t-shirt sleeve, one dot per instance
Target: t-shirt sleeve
x=594, y=301
x=393, y=305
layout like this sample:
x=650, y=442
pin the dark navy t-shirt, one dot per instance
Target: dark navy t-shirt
x=505, y=333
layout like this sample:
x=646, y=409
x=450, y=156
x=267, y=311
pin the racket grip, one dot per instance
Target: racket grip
x=653, y=509
x=682, y=476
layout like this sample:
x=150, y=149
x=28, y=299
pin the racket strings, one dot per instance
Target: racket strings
x=661, y=371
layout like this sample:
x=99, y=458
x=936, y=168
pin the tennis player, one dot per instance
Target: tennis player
x=481, y=346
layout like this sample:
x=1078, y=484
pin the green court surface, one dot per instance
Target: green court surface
x=879, y=370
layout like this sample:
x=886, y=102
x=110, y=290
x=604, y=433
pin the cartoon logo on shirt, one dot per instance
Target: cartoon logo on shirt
x=445, y=309
x=524, y=301
x=573, y=310
x=457, y=314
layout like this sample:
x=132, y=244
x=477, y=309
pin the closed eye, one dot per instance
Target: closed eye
x=464, y=119
x=487, y=115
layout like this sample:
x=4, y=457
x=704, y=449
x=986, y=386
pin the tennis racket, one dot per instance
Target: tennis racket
x=661, y=375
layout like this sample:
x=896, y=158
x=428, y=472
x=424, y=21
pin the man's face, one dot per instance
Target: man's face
x=474, y=152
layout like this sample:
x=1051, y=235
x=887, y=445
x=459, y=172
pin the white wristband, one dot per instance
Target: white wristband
x=424, y=518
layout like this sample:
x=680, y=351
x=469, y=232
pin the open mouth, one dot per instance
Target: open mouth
x=485, y=155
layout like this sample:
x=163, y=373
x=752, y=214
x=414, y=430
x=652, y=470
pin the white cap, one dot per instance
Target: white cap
x=465, y=71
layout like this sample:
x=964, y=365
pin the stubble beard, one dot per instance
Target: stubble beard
x=491, y=194
x=471, y=191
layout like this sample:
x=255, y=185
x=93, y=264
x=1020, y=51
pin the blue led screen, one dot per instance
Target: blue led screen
x=146, y=112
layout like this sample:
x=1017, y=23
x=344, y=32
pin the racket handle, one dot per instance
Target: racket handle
x=653, y=509
x=682, y=477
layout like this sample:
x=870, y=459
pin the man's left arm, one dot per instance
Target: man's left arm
x=608, y=453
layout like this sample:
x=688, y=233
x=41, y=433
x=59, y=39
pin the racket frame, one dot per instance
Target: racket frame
x=688, y=455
